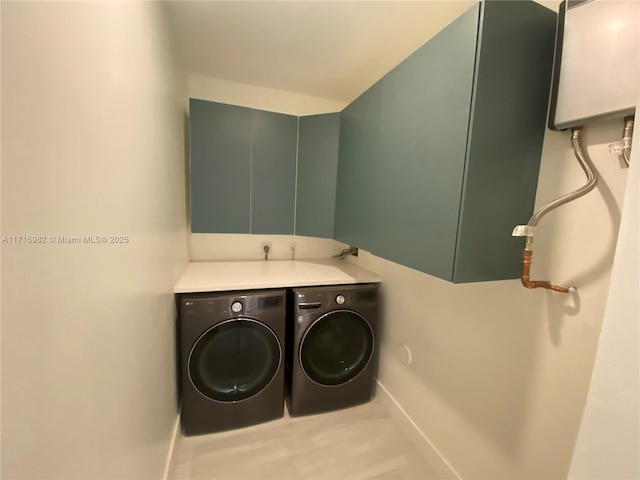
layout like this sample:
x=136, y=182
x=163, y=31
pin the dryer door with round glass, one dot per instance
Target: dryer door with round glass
x=234, y=360
x=336, y=348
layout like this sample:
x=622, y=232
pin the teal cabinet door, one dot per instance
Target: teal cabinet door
x=515, y=57
x=359, y=184
x=318, y=139
x=424, y=125
x=273, y=172
x=402, y=147
x=219, y=167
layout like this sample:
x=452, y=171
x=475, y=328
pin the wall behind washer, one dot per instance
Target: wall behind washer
x=92, y=144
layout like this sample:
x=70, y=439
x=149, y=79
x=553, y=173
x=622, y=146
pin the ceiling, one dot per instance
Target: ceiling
x=328, y=49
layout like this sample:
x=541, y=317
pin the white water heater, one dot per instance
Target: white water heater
x=597, y=61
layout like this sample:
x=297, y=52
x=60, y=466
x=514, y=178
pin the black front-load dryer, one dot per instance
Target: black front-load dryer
x=232, y=359
x=330, y=351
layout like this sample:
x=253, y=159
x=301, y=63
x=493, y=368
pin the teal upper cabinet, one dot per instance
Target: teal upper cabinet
x=359, y=185
x=513, y=77
x=219, y=167
x=242, y=169
x=317, y=170
x=402, y=155
x=274, y=141
x=439, y=160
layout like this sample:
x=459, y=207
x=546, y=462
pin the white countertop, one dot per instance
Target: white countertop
x=252, y=275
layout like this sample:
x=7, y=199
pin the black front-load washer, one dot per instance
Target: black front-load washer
x=232, y=359
x=330, y=351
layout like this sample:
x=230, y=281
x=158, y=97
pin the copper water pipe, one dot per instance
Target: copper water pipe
x=592, y=180
x=526, y=267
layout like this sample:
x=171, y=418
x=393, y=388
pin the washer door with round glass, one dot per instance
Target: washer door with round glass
x=234, y=360
x=336, y=348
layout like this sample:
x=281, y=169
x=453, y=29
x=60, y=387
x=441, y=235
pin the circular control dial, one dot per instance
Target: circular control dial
x=236, y=307
x=339, y=299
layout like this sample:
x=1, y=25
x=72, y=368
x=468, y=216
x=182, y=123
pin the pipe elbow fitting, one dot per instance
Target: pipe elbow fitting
x=531, y=284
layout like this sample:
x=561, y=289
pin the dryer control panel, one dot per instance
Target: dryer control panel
x=335, y=296
x=231, y=304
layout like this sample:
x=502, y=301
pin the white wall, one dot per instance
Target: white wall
x=262, y=98
x=500, y=374
x=209, y=247
x=229, y=246
x=93, y=144
x=608, y=446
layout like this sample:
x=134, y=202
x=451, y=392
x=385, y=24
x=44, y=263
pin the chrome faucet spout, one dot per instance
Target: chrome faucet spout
x=347, y=251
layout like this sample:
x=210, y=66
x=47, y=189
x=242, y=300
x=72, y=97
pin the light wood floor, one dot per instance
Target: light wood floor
x=356, y=443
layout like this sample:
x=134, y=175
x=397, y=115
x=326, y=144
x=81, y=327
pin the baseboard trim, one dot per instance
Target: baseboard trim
x=169, y=462
x=434, y=458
